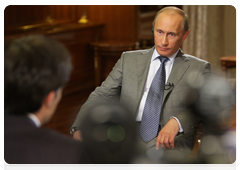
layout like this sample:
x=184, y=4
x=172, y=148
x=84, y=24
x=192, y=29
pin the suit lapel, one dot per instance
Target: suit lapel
x=179, y=68
x=143, y=63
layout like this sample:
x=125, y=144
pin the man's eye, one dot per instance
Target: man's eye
x=172, y=35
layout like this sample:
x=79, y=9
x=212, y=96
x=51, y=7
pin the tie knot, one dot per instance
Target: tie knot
x=163, y=59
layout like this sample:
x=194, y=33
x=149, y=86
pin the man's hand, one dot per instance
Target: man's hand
x=166, y=136
x=78, y=135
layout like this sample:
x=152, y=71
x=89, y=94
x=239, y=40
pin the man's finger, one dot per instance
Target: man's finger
x=163, y=146
x=157, y=145
x=166, y=143
x=157, y=142
x=171, y=142
x=161, y=142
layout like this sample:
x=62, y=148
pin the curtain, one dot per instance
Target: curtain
x=196, y=43
x=212, y=33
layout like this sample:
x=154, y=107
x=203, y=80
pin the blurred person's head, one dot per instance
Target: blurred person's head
x=109, y=133
x=170, y=28
x=214, y=102
x=35, y=70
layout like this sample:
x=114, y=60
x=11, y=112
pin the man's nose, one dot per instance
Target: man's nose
x=164, y=40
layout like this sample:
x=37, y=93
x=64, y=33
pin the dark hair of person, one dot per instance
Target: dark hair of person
x=33, y=66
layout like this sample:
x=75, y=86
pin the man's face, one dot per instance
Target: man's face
x=168, y=33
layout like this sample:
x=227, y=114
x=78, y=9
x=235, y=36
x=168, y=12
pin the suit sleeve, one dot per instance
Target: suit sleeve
x=109, y=90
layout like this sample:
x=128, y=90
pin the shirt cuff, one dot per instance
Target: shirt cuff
x=180, y=126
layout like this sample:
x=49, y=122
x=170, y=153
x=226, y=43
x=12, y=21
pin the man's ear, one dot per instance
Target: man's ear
x=185, y=35
x=49, y=99
x=153, y=27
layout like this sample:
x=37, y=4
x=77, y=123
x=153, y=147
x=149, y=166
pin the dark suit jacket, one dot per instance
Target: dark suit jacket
x=24, y=143
x=127, y=80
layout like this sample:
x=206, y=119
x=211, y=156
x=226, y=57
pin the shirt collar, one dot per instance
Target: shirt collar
x=34, y=119
x=171, y=58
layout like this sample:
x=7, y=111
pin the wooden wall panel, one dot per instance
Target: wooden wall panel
x=20, y=15
x=16, y=15
x=62, y=12
x=120, y=20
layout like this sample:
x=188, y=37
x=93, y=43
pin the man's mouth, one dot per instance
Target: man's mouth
x=163, y=48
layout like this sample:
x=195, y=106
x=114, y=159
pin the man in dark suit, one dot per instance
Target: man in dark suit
x=133, y=74
x=35, y=71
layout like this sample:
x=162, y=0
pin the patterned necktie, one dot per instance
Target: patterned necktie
x=152, y=109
